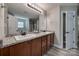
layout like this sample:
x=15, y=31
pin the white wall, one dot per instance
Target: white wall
x=42, y=22
x=53, y=23
x=2, y=22
x=12, y=24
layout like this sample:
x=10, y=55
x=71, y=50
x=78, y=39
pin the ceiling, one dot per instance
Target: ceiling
x=49, y=6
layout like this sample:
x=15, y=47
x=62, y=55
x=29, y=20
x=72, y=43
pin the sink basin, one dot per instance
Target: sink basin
x=8, y=41
x=20, y=37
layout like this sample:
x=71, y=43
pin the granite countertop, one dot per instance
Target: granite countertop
x=18, y=39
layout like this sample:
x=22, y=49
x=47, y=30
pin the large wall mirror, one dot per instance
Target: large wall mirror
x=21, y=20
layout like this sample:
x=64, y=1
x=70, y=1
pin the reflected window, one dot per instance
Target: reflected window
x=20, y=24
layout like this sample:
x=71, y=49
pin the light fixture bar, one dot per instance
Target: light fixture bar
x=33, y=7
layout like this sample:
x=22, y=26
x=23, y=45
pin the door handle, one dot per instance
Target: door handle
x=67, y=32
x=73, y=29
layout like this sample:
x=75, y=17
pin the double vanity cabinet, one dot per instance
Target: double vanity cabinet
x=35, y=47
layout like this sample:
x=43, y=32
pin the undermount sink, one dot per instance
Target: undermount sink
x=7, y=41
x=22, y=37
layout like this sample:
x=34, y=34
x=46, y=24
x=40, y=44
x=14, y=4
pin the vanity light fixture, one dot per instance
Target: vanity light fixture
x=36, y=8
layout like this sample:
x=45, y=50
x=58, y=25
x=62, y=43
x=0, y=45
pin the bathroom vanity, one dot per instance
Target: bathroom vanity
x=35, y=44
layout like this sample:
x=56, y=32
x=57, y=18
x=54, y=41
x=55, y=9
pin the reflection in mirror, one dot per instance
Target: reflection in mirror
x=34, y=25
x=21, y=20
x=17, y=25
x=20, y=26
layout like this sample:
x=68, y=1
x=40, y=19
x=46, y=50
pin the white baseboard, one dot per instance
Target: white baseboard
x=58, y=46
x=76, y=46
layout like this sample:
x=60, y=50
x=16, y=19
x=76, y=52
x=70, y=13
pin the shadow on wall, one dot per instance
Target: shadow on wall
x=56, y=42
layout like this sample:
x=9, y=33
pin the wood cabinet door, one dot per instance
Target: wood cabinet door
x=4, y=51
x=12, y=53
x=48, y=42
x=36, y=47
x=52, y=39
x=44, y=45
x=19, y=49
x=44, y=50
x=44, y=39
x=27, y=48
x=0, y=51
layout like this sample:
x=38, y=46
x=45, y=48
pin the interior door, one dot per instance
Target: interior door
x=73, y=28
x=70, y=29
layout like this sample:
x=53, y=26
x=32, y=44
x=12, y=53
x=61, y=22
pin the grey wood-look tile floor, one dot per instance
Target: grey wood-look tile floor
x=62, y=52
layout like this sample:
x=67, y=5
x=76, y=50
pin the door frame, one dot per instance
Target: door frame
x=62, y=27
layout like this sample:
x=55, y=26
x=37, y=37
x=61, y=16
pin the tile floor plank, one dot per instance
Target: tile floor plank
x=62, y=52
